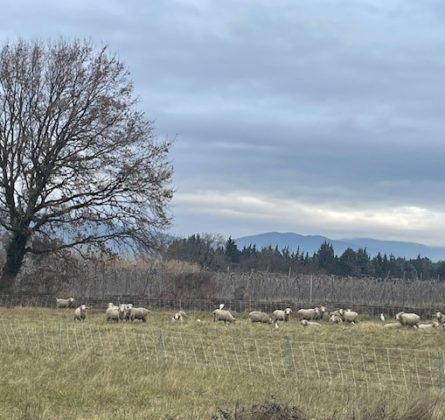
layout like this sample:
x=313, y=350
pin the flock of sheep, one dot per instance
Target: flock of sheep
x=306, y=317
x=121, y=312
x=310, y=317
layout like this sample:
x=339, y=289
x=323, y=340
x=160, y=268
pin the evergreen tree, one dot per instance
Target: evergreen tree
x=231, y=251
x=349, y=264
x=325, y=256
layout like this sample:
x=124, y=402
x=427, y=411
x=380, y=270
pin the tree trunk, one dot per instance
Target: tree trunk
x=15, y=253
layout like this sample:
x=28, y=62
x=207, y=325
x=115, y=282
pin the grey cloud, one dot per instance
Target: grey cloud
x=318, y=101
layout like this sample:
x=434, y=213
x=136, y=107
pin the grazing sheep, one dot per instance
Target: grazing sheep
x=306, y=323
x=308, y=314
x=223, y=315
x=428, y=326
x=335, y=319
x=258, y=316
x=80, y=313
x=139, y=313
x=280, y=315
x=65, y=303
x=408, y=319
x=440, y=317
x=348, y=316
x=393, y=325
x=112, y=313
x=179, y=316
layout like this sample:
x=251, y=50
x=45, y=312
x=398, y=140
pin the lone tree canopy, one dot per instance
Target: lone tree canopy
x=80, y=165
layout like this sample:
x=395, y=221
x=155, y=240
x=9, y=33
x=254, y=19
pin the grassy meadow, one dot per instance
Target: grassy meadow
x=52, y=367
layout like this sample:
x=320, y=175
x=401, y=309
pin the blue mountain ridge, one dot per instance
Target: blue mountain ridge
x=312, y=243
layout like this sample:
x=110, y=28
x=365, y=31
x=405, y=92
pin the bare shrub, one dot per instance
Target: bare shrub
x=266, y=411
x=179, y=267
x=197, y=285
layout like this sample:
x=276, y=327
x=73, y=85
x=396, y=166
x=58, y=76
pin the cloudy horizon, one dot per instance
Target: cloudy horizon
x=314, y=117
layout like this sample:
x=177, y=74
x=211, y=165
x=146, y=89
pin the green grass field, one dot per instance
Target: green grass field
x=52, y=367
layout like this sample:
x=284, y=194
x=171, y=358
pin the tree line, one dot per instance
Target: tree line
x=213, y=253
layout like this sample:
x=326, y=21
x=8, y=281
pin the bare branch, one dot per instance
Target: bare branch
x=78, y=161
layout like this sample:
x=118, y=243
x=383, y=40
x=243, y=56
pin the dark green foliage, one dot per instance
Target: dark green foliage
x=231, y=251
x=195, y=249
x=214, y=254
x=326, y=256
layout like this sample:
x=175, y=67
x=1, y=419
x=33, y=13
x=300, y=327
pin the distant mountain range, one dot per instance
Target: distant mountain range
x=312, y=243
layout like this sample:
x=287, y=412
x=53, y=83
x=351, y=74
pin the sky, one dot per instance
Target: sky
x=315, y=117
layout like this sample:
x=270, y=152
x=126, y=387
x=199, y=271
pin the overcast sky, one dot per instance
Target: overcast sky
x=316, y=117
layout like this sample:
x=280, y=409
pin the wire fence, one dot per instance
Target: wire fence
x=344, y=365
x=208, y=305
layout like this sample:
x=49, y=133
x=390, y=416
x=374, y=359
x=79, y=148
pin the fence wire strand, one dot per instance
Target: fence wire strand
x=372, y=367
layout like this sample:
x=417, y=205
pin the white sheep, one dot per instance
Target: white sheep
x=281, y=315
x=335, y=318
x=179, y=316
x=223, y=315
x=392, y=325
x=308, y=314
x=112, y=306
x=128, y=306
x=258, y=316
x=440, y=317
x=435, y=324
x=80, y=313
x=139, y=313
x=348, y=316
x=112, y=313
x=124, y=311
x=65, y=303
x=321, y=312
x=408, y=319
x=122, y=308
x=306, y=323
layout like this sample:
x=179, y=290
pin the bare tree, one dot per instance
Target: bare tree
x=80, y=166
